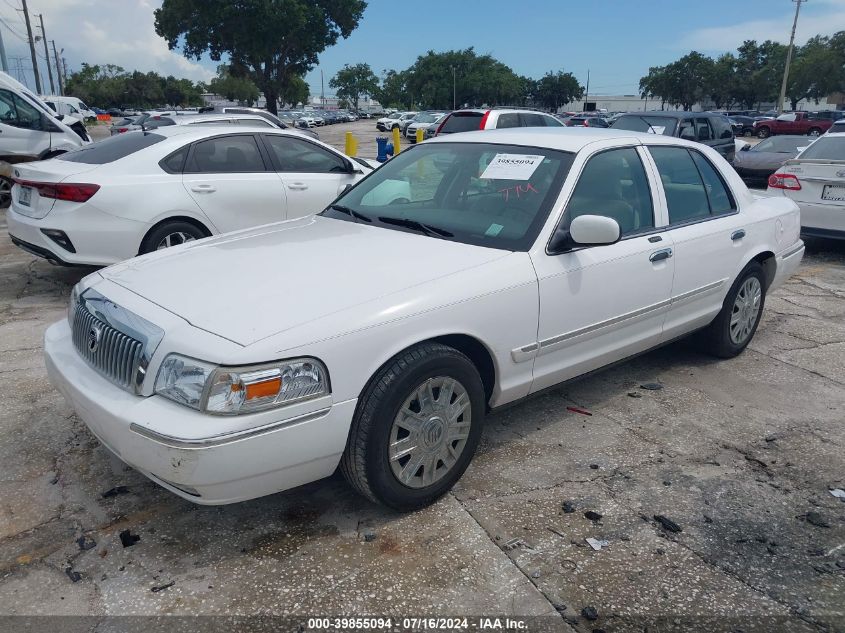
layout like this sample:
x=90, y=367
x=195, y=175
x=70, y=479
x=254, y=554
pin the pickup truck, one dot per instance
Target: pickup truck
x=792, y=123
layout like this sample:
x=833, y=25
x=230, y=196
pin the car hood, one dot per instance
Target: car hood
x=249, y=285
x=761, y=160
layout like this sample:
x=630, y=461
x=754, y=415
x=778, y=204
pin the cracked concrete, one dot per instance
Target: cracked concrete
x=740, y=454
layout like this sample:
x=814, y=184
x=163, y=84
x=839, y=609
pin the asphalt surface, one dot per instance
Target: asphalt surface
x=740, y=455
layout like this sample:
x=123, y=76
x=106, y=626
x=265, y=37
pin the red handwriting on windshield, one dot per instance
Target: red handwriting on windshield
x=518, y=190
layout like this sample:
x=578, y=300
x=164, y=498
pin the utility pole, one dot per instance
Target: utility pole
x=789, y=57
x=47, y=54
x=322, y=91
x=587, y=91
x=4, y=65
x=32, y=48
x=58, y=70
x=454, y=107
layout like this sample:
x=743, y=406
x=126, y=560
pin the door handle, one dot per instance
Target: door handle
x=203, y=189
x=737, y=235
x=659, y=256
x=298, y=186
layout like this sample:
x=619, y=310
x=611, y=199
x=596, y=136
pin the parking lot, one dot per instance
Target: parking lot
x=737, y=458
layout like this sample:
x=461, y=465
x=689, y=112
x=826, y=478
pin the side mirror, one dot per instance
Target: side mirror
x=585, y=230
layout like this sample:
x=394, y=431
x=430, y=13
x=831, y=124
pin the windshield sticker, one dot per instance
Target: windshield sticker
x=517, y=190
x=656, y=129
x=512, y=167
x=494, y=230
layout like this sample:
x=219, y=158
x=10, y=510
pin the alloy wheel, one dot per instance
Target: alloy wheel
x=430, y=432
x=174, y=239
x=745, y=311
x=5, y=193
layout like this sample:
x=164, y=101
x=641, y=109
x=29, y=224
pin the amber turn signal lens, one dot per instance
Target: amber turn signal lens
x=263, y=389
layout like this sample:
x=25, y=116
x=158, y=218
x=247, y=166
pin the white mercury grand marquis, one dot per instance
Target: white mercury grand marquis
x=466, y=273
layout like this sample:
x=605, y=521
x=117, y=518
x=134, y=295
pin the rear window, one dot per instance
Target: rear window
x=649, y=124
x=826, y=148
x=461, y=122
x=112, y=149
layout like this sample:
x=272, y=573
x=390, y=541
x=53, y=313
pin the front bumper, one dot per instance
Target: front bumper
x=292, y=450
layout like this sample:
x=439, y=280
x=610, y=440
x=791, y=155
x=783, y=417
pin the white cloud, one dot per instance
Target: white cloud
x=825, y=17
x=117, y=32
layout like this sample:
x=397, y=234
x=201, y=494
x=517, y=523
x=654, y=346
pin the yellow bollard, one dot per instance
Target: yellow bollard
x=351, y=145
x=420, y=135
x=396, y=137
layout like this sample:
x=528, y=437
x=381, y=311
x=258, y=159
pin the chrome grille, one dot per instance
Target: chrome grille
x=110, y=352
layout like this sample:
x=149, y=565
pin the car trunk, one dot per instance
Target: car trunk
x=27, y=201
x=822, y=181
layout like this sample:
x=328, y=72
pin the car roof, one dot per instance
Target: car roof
x=673, y=114
x=191, y=117
x=567, y=139
x=201, y=131
x=485, y=110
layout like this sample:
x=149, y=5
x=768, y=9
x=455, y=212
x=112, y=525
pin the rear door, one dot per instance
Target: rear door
x=232, y=181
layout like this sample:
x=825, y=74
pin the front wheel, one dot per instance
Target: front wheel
x=416, y=427
x=734, y=327
x=814, y=132
x=764, y=132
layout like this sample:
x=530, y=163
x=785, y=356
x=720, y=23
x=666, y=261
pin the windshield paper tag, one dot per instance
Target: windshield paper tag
x=494, y=230
x=656, y=129
x=512, y=167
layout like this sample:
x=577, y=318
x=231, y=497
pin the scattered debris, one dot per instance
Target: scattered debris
x=128, y=539
x=596, y=544
x=536, y=574
x=578, y=410
x=771, y=438
x=568, y=507
x=369, y=537
x=74, y=576
x=707, y=519
x=667, y=483
x=594, y=466
x=554, y=531
x=86, y=543
x=660, y=551
x=590, y=613
x=838, y=493
x=113, y=492
x=54, y=480
x=560, y=608
x=592, y=516
x=668, y=524
x=635, y=394
x=814, y=518
x=158, y=588
x=514, y=543
x=651, y=386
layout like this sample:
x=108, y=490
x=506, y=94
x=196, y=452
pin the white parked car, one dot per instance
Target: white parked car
x=142, y=191
x=388, y=122
x=423, y=121
x=377, y=335
x=815, y=180
x=73, y=106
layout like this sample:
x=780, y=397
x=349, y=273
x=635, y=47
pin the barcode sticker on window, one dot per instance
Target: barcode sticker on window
x=512, y=167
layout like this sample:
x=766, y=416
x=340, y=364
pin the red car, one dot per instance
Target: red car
x=792, y=123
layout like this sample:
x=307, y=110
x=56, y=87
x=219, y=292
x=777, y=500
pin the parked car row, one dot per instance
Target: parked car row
x=227, y=116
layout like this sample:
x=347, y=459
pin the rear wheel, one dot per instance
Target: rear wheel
x=814, y=131
x=764, y=132
x=171, y=234
x=5, y=192
x=416, y=427
x=734, y=327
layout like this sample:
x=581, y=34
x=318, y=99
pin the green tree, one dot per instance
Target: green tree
x=688, y=78
x=555, y=89
x=353, y=82
x=240, y=89
x=296, y=92
x=274, y=41
x=655, y=85
x=721, y=84
x=392, y=90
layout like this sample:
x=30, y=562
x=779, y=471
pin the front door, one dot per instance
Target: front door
x=229, y=179
x=601, y=304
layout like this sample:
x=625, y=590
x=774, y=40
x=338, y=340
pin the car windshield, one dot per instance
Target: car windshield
x=483, y=194
x=111, y=149
x=781, y=144
x=425, y=117
x=644, y=123
x=826, y=148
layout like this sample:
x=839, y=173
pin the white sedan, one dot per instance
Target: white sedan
x=142, y=191
x=815, y=179
x=378, y=334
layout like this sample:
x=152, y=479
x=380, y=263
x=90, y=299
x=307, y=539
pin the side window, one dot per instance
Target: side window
x=686, y=130
x=17, y=112
x=226, y=154
x=685, y=194
x=214, y=122
x=508, y=119
x=51, y=105
x=551, y=121
x=253, y=122
x=718, y=195
x=293, y=154
x=722, y=127
x=174, y=163
x=704, y=132
x=530, y=119
x=614, y=184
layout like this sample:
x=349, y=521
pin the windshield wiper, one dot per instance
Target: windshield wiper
x=350, y=212
x=427, y=229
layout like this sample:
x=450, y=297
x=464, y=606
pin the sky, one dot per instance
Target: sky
x=615, y=40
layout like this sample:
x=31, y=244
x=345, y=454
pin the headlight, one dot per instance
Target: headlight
x=234, y=390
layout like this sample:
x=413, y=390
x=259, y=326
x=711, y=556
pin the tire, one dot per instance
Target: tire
x=178, y=231
x=814, y=131
x=5, y=192
x=748, y=133
x=389, y=402
x=725, y=339
x=764, y=132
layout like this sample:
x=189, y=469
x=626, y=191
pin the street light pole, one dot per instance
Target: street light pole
x=454, y=106
x=782, y=97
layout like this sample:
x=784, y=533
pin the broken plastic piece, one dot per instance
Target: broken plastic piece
x=838, y=493
x=668, y=524
x=596, y=544
x=651, y=386
x=578, y=410
x=592, y=516
x=128, y=539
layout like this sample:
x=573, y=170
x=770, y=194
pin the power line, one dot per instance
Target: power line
x=13, y=31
